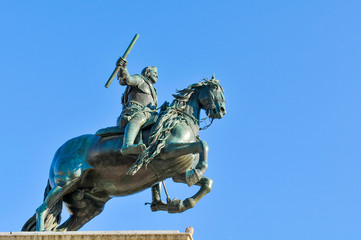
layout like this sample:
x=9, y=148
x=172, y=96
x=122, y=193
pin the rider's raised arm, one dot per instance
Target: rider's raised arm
x=133, y=80
x=124, y=77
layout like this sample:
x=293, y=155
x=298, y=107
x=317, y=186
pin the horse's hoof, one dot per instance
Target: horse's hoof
x=158, y=206
x=175, y=206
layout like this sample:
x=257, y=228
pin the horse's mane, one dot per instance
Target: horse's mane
x=167, y=120
x=183, y=96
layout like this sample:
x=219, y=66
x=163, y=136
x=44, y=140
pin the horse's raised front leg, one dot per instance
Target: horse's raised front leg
x=178, y=206
x=53, y=197
x=192, y=176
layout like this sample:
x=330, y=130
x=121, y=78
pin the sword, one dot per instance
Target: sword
x=125, y=55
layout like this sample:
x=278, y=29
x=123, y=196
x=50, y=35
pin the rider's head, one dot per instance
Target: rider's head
x=151, y=73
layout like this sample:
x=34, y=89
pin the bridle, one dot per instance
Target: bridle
x=210, y=105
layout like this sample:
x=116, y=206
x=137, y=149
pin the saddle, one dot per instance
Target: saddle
x=117, y=130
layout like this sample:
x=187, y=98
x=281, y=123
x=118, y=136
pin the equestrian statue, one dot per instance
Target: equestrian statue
x=141, y=151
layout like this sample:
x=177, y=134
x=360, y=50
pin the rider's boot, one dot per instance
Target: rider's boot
x=130, y=133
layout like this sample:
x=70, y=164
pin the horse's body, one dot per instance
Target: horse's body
x=99, y=162
x=89, y=170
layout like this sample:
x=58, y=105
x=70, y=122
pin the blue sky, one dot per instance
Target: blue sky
x=285, y=158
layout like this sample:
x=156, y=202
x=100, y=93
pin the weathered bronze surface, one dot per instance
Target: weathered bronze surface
x=88, y=170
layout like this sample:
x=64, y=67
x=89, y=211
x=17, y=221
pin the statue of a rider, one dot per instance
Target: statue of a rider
x=139, y=104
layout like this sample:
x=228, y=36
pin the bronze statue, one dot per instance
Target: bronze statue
x=89, y=170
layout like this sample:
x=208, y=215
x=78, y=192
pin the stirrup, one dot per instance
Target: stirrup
x=133, y=149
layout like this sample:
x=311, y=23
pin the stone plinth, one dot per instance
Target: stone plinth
x=111, y=235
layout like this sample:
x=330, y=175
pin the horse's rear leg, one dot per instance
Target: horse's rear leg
x=83, y=207
x=79, y=219
x=56, y=194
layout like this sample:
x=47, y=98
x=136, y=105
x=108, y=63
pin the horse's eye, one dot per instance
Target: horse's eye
x=215, y=87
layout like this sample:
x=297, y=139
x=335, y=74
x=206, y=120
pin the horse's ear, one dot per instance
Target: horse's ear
x=214, y=78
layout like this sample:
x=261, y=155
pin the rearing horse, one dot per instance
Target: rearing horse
x=89, y=170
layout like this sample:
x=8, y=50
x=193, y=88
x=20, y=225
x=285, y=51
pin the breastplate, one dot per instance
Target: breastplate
x=141, y=97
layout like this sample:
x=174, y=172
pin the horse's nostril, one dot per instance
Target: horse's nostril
x=214, y=111
x=222, y=109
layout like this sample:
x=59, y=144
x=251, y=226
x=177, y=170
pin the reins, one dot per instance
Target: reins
x=207, y=126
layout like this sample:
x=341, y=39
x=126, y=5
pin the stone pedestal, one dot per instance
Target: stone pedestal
x=111, y=235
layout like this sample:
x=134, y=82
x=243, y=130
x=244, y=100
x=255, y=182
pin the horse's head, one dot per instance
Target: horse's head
x=211, y=98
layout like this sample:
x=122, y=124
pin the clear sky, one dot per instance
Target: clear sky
x=285, y=160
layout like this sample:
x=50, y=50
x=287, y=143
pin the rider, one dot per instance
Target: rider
x=139, y=104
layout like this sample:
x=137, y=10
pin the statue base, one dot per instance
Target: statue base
x=101, y=235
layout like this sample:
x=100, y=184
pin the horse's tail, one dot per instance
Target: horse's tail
x=52, y=219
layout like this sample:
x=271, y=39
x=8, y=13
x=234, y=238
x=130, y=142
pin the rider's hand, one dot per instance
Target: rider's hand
x=121, y=63
x=120, y=75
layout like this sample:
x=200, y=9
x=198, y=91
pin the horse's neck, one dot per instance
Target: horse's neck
x=193, y=109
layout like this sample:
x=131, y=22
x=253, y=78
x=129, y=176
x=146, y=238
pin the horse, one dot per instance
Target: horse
x=89, y=170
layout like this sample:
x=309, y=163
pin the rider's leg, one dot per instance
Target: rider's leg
x=131, y=132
